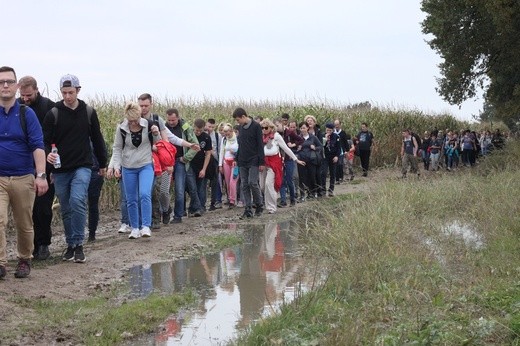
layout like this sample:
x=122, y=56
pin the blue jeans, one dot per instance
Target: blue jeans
x=94, y=192
x=287, y=182
x=201, y=191
x=191, y=185
x=138, y=188
x=72, y=190
x=180, y=187
x=124, y=208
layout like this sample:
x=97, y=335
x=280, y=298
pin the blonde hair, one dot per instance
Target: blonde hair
x=132, y=111
x=228, y=127
x=307, y=117
x=267, y=122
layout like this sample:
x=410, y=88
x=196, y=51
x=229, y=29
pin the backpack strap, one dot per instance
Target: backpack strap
x=90, y=110
x=23, y=122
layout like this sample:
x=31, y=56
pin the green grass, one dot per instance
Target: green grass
x=397, y=277
x=101, y=320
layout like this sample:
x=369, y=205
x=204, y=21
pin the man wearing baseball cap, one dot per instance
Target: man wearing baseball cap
x=71, y=125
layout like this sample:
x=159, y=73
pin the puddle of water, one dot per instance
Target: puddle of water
x=237, y=286
x=468, y=234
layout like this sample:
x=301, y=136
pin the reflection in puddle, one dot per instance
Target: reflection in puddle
x=471, y=238
x=237, y=286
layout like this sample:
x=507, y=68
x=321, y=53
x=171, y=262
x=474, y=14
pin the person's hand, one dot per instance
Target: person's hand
x=195, y=146
x=300, y=162
x=102, y=172
x=117, y=173
x=261, y=168
x=110, y=173
x=40, y=186
x=221, y=169
x=155, y=130
x=51, y=158
x=202, y=174
x=313, y=147
x=335, y=159
x=169, y=169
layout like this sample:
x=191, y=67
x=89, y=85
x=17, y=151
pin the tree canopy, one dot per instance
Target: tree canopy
x=479, y=42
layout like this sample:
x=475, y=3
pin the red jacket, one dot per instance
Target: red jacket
x=163, y=157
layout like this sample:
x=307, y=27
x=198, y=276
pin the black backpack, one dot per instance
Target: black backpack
x=151, y=122
x=418, y=139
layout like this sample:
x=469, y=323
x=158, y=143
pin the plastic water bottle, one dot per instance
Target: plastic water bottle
x=54, y=150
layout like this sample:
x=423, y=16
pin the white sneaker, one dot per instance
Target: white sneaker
x=124, y=228
x=145, y=232
x=134, y=234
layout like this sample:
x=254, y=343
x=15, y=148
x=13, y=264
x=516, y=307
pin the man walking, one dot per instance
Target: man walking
x=42, y=209
x=70, y=126
x=250, y=160
x=365, y=141
x=22, y=151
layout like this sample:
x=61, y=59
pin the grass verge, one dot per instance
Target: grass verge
x=404, y=271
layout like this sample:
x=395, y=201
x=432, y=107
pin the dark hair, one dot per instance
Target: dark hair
x=239, y=113
x=199, y=123
x=144, y=97
x=364, y=124
x=8, y=69
x=172, y=111
x=211, y=121
x=303, y=123
x=285, y=116
x=259, y=118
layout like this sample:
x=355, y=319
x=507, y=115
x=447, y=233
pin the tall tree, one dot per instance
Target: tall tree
x=479, y=42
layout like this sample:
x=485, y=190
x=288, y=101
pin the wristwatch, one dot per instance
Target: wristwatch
x=41, y=175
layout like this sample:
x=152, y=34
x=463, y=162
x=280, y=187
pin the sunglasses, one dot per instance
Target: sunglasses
x=265, y=128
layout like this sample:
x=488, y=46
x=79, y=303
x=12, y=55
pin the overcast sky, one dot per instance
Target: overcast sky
x=339, y=51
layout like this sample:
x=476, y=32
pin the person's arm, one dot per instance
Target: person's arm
x=98, y=142
x=260, y=147
x=207, y=158
x=40, y=185
x=415, y=146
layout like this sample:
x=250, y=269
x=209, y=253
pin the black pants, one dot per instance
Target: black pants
x=94, y=192
x=364, y=156
x=307, y=179
x=42, y=217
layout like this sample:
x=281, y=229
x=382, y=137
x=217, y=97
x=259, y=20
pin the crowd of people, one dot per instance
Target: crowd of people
x=167, y=166
x=447, y=149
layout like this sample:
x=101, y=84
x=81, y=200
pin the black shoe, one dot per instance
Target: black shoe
x=36, y=253
x=212, y=207
x=79, y=256
x=365, y=174
x=43, y=252
x=68, y=255
x=156, y=225
x=166, y=216
x=91, y=239
x=3, y=272
x=176, y=220
x=293, y=203
x=282, y=205
x=248, y=214
x=259, y=210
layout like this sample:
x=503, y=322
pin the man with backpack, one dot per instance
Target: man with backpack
x=71, y=125
x=42, y=209
x=22, y=158
x=409, y=150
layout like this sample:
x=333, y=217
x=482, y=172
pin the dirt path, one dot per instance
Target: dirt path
x=113, y=254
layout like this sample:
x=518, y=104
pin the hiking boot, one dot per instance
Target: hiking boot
x=212, y=208
x=248, y=214
x=331, y=193
x=68, y=255
x=218, y=205
x=91, y=239
x=79, y=256
x=36, y=253
x=259, y=210
x=145, y=232
x=293, y=203
x=134, y=234
x=176, y=220
x=166, y=216
x=231, y=206
x=3, y=272
x=156, y=225
x=282, y=205
x=124, y=228
x=23, y=269
x=43, y=252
